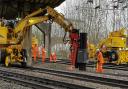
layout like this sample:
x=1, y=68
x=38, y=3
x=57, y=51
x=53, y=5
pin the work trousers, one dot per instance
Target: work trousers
x=99, y=67
x=43, y=57
x=53, y=58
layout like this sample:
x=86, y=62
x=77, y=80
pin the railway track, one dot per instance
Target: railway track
x=38, y=83
x=106, y=66
x=41, y=70
x=82, y=77
x=85, y=77
x=114, y=67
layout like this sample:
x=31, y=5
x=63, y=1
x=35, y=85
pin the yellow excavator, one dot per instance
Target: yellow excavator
x=11, y=37
x=114, y=47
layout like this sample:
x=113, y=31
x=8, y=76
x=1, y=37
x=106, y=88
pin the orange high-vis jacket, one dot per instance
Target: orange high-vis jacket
x=100, y=57
x=36, y=49
x=43, y=52
x=54, y=56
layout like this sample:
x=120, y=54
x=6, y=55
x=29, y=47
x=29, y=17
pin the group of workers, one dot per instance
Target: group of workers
x=35, y=53
x=53, y=58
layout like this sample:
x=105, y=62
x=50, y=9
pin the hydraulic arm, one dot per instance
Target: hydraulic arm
x=32, y=19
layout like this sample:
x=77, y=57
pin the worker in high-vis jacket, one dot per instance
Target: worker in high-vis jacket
x=43, y=55
x=53, y=57
x=35, y=52
x=100, y=61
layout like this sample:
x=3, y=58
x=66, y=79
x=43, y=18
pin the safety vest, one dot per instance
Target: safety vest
x=100, y=57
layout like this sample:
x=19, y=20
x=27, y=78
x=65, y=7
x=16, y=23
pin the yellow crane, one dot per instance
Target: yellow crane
x=11, y=38
x=114, y=47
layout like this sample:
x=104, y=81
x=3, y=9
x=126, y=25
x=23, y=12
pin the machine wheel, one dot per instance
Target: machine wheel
x=3, y=54
x=24, y=63
x=113, y=56
x=7, y=61
x=24, y=54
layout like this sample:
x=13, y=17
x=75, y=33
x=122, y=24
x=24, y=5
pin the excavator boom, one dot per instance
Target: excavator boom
x=33, y=19
x=29, y=22
x=51, y=14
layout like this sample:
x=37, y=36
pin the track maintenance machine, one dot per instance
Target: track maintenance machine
x=11, y=38
x=114, y=47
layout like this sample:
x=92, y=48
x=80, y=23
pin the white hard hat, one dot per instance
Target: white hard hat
x=97, y=50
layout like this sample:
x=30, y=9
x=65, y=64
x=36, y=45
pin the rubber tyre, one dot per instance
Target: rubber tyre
x=3, y=56
x=24, y=54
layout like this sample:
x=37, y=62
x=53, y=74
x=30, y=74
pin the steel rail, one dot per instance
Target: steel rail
x=84, y=77
x=37, y=82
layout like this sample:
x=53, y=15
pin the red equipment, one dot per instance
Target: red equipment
x=74, y=37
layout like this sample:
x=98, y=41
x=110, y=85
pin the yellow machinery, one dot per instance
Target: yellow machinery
x=11, y=37
x=114, y=47
x=91, y=51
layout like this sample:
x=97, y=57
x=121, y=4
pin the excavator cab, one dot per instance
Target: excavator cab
x=10, y=27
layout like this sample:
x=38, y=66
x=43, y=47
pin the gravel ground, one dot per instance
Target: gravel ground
x=43, y=75
x=6, y=85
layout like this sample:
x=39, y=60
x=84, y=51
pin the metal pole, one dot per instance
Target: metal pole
x=113, y=16
x=127, y=25
x=42, y=32
x=127, y=15
x=49, y=39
